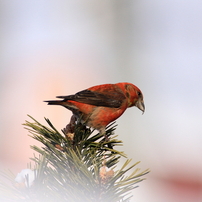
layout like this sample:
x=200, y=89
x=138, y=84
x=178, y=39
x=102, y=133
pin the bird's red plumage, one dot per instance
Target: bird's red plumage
x=99, y=105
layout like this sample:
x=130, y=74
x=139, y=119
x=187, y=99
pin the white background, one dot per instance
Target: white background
x=51, y=48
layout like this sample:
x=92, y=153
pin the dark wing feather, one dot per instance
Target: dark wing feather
x=113, y=100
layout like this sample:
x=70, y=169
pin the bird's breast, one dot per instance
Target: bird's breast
x=102, y=116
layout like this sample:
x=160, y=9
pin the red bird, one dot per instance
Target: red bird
x=99, y=105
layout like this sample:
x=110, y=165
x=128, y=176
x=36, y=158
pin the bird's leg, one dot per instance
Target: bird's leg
x=69, y=129
x=103, y=132
x=68, y=132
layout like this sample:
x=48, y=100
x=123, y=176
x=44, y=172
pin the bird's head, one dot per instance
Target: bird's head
x=135, y=96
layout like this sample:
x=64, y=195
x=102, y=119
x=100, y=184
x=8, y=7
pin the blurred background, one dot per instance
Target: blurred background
x=51, y=48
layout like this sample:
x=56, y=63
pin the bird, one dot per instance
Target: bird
x=100, y=105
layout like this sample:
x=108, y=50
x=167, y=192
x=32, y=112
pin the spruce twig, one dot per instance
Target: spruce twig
x=77, y=168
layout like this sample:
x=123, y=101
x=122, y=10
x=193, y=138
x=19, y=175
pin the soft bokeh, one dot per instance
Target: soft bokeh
x=51, y=48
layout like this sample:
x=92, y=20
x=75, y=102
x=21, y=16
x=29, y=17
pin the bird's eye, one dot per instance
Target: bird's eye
x=139, y=93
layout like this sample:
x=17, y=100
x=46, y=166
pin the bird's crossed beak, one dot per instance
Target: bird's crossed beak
x=140, y=105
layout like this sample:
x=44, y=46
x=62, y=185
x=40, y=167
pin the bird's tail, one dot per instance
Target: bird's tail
x=54, y=102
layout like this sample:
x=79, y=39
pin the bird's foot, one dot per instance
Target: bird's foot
x=69, y=129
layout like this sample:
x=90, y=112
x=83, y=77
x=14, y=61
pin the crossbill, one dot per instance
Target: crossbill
x=100, y=105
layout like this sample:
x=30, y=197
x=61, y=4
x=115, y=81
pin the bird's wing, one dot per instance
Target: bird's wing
x=111, y=99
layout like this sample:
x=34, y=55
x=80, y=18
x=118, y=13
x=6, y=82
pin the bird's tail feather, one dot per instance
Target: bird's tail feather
x=54, y=102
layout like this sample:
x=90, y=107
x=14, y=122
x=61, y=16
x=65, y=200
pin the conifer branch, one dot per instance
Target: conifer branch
x=77, y=167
